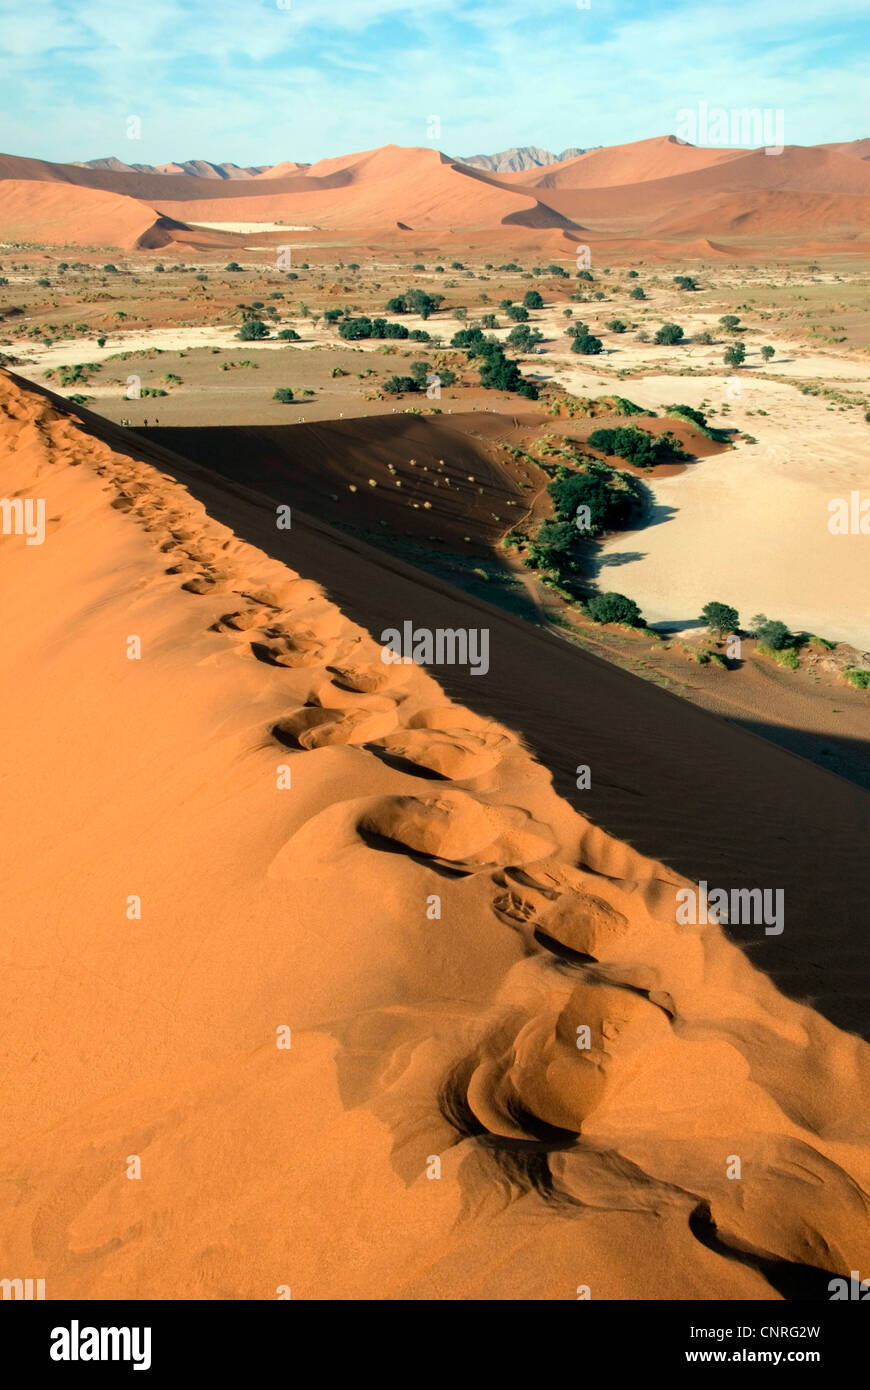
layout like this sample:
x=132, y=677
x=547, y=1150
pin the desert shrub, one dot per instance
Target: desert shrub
x=855, y=675
x=617, y=326
x=614, y=608
x=524, y=338
x=290, y=335
x=698, y=419
x=587, y=344
x=233, y=265
x=353, y=329
x=585, y=275
x=533, y=300
x=730, y=322
x=612, y=497
x=635, y=445
x=771, y=633
x=705, y=336
x=637, y=293
x=283, y=394
x=557, y=545
x=501, y=373
x=401, y=385
x=467, y=337
x=518, y=313
x=251, y=330
x=785, y=656
x=685, y=282
x=669, y=333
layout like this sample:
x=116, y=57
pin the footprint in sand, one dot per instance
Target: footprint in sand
x=455, y=829
x=529, y=1080
x=209, y=582
x=301, y=649
x=577, y=923
x=454, y=754
x=314, y=726
x=243, y=620
x=369, y=679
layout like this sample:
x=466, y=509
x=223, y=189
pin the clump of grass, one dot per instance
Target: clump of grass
x=786, y=656
x=858, y=677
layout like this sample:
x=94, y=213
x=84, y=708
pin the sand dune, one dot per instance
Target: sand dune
x=651, y=190
x=288, y=811
x=55, y=213
x=640, y=162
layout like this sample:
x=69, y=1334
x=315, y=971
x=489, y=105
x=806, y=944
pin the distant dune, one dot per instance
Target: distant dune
x=657, y=190
x=514, y=160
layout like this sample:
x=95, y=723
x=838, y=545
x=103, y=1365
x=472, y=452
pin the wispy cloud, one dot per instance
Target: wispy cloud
x=257, y=81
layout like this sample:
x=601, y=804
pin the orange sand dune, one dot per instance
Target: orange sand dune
x=57, y=214
x=770, y=214
x=645, y=190
x=643, y=160
x=313, y=982
x=776, y=186
x=418, y=189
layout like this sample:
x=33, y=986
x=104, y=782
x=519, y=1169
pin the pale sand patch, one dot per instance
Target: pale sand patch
x=750, y=527
x=247, y=227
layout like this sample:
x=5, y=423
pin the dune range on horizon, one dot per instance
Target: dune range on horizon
x=658, y=196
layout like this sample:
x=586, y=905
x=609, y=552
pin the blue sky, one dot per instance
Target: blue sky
x=258, y=81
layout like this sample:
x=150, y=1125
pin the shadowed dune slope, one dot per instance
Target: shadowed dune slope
x=316, y=978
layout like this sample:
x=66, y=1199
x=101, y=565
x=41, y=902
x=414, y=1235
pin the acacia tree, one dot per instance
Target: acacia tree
x=720, y=618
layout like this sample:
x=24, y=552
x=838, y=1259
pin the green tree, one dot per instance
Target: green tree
x=251, y=330
x=532, y=300
x=283, y=394
x=720, y=618
x=685, y=282
x=614, y=608
x=637, y=293
x=587, y=344
x=524, y=338
x=767, y=353
x=669, y=333
x=771, y=632
x=735, y=355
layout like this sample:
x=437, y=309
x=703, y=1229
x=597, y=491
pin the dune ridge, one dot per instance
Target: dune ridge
x=416, y=1037
x=646, y=191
